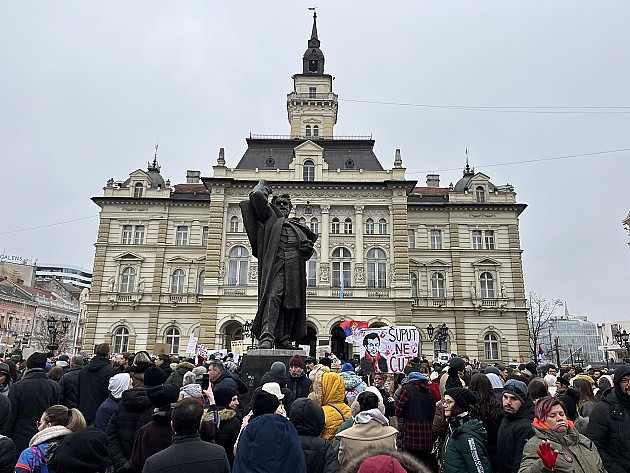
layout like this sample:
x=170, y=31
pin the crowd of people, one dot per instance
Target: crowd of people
x=140, y=413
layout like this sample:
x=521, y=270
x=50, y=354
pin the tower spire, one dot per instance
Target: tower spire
x=313, y=59
x=314, y=32
x=467, y=169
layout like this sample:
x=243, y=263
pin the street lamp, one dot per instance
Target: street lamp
x=247, y=332
x=623, y=340
x=54, y=331
x=440, y=336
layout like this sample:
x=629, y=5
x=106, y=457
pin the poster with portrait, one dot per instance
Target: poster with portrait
x=388, y=349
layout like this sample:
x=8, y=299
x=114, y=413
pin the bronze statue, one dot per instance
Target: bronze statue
x=282, y=247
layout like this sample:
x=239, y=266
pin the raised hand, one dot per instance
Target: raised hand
x=547, y=456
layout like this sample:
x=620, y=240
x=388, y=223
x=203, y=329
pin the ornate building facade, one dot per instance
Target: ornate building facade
x=175, y=260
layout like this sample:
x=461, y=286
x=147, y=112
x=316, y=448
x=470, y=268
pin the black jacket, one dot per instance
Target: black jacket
x=308, y=418
x=93, y=382
x=609, y=426
x=30, y=397
x=514, y=432
x=69, y=387
x=133, y=411
x=300, y=385
x=188, y=453
x=227, y=433
x=5, y=414
x=7, y=455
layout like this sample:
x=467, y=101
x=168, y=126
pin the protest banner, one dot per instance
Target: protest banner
x=388, y=349
x=191, y=348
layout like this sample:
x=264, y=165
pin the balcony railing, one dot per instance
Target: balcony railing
x=231, y=291
x=346, y=293
x=327, y=96
x=314, y=138
x=489, y=302
x=378, y=293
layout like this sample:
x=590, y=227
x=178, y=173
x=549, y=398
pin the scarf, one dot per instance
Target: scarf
x=49, y=434
x=374, y=360
x=372, y=414
x=458, y=420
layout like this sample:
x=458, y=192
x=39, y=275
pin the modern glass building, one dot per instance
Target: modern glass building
x=74, y=275
x=577, y=340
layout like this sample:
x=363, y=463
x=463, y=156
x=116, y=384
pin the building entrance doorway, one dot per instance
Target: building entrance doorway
x=338, y=344
x=309, y=339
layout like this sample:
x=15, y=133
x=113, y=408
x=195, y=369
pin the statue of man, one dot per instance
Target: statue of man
x=282, y=247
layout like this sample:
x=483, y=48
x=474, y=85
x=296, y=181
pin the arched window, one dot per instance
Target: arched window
x=347, y=226
x=480, y=194
x=437, y=285
x=137, y=189
x=308, y=172
x=341, y=267
x=238, y=266
x=308, y=130
x=382, y=226
x=334, y=225
x=172, y=338
x=200, y=279
x=413, y=280
x=487, y=285
x=121, y=340
x=376, y=268
x=127, y=279
x=177, y=281
x=302, y=221
x=311, y=271
x=315, y=225
x=234, y=224
x=315, y=130
x=492, y=346
x=369, y=226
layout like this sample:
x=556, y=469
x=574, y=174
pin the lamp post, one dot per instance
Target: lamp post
x=440, y=336
x=623, y=339
x=54, y=331
x=247, y=333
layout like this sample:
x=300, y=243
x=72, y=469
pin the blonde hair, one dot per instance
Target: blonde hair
x=61, y=415
x=141, y=357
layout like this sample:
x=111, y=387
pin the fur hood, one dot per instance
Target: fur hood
x=226, y=414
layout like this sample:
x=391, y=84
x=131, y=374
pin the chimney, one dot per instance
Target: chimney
x=433, y=180
x=193, y=177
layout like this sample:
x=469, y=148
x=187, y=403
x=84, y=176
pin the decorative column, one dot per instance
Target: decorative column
x=324, y=264
x=359, y=271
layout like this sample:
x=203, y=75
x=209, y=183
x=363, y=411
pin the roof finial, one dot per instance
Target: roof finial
x=314, y=32
x=155, y=155
x=467, y=168
x=155, y=166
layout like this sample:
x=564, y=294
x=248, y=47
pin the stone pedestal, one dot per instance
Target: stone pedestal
x=258, y=362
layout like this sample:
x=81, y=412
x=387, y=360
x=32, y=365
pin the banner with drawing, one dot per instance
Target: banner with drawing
x=388, y=349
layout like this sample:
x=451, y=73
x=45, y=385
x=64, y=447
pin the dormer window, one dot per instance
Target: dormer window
x=480, y=194
x=313, y=65
x=349, y=164
x=308, y=130
x=270, y=163
x=308, y=172
x=137, y=190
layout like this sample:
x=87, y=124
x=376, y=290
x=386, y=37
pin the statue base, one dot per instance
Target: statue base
x=257, y=362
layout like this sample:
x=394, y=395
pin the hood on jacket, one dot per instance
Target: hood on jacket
x=333, y=389
x=184, y=367
x=525, y=412
x=620, y=373
x=351, y=379
x=136, y=400
x=97, y=363
x=472, y=428
x=226, y=414
x=118, y=384
x=307, y=417
x=271, y=377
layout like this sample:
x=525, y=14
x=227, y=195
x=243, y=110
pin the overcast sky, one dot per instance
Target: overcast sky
x=88, y=88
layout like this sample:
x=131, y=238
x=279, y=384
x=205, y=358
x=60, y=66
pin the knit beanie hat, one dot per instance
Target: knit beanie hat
x=223, y=395
x=279, y=368
x=85, y=451
x=154, y=376
x=563, y=381
x=118, y=384
x=531, y=367
x=453, y=380
x=347, y=367
x=199, y=370
x=296, y=360
x=326, y=362
x=189, y=378
x=4, y=369
x=462, y=397
x=516, y=388
x=412, y=365
x=381, y=464
x=493, y=370
x=418, y=377
x=273, y=388
x=192, y=390
x=160, y=396
x=458, y=363
x=36, y=360
x=264, y=403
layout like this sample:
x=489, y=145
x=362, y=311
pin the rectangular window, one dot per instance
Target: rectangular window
x=127, y=234
x=477, y=241
x=311, y=272
x=335, y=226
x=181, y=237
x=489, y=239
x=411, y=238
x=204, y=236
x=377, y=274
x=312, y=92
x=138, y=237
x=237, y=274
x=436, y=239
x=341, y=268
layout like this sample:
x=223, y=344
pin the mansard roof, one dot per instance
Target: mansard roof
x=336, y=153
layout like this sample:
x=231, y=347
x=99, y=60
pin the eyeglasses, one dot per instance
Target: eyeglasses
x=624, y=381
x=447, y=403
x=39, y=422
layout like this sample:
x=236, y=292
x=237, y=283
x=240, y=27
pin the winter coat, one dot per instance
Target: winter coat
x=151, y=438
x=357, y=438
x=269, y=444
x=5, y=414
x=514, y=432
x=133, y=411
x=190, y=454
x=228, y=431
x=354, y=385
x=308, y=418
x=335, y=410
x=136, y=372
x=417, y=407
x=93, y=382
x=609, y=428
x=33, y=455
x=576, y=453
x=7, y=455
x=30, y=397
x=69, y=387
x=464, y=448
x=177, y=376
x=271, y=377
x=299, y=385
x=104, y=412
x=225, y=380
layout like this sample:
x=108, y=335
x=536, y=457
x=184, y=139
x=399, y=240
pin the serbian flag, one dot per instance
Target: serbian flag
x=541, y=352
x=351, y=329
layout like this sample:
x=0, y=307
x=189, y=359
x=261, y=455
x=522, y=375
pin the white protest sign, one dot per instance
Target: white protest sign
x=191, y=348
x=388, y=349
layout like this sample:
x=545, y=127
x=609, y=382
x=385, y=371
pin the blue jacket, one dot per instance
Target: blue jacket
x=31, y=458
x=269, y=444
x=104, y=413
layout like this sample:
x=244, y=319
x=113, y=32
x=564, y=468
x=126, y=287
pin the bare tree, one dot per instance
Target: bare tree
x=539, y=312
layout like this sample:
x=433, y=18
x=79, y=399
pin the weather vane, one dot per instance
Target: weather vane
x=314, y=10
